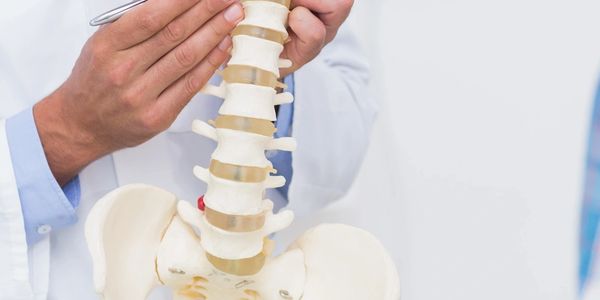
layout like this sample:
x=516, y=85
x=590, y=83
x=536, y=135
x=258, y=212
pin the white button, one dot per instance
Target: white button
x=271, y=153
x=43, y=229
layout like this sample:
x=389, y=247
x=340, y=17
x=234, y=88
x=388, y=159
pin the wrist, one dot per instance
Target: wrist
x=68, y=146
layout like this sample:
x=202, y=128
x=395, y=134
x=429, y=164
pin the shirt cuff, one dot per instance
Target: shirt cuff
x=282, y=160
x=46, y=206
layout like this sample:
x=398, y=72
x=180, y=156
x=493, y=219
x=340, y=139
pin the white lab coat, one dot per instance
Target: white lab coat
x=40, y=41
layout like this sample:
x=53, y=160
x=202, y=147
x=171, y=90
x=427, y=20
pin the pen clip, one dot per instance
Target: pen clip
x=114, y=14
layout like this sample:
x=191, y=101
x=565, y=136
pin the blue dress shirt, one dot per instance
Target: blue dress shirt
x=590, y=215
x=282, y=160
x=46, y=206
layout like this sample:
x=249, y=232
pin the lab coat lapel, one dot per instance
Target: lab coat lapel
x=14, y=275
x=39, y=264
x=25, y=273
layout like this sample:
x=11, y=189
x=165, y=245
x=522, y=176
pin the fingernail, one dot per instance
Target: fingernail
x=233, y=13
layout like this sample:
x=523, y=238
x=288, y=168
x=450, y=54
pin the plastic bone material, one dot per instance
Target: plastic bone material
x=141, y=237
x=159, y=246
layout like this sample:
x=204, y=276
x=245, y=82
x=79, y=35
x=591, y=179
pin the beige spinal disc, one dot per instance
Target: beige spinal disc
x=246, y=47
x=247, y=174
x=266, y=14
x=246, y=124
x=245, y=266
x=235, y=223
x=238, y=267
x=251, y=75
x=261, y=33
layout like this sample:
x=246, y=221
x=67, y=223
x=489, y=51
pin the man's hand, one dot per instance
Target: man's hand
x=314, y=23
x=133, y=78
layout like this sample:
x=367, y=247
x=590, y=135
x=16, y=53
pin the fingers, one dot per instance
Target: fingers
x=144, y=21
x=187, y=55
x=308, y=37
x=331, y=12
x=177, y=31
x=177, y=96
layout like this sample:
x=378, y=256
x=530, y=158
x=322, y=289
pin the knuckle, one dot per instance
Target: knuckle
x=95, y=50
x=92, y=45
x=117, y=77
x=173, y=32
x=127, y=66
x=192, y=85
x=149, y=22
x=216, y=30
x=184, y=56
x=153, y=121
x=211, y=7
x=120, y=71
x=317, y=36
x=214, y=61
x=148, y=122
x=129, y=100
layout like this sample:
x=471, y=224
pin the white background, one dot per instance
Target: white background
x=473, y=180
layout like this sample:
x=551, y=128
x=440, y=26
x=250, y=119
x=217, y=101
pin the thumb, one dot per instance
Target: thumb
x=307, y=38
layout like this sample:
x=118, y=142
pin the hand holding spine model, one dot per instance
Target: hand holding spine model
x=141, y=236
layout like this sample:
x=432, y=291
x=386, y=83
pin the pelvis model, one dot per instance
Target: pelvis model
x=141, y=236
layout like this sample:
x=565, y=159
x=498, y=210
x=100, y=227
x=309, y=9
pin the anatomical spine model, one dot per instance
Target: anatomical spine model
x=141, y=236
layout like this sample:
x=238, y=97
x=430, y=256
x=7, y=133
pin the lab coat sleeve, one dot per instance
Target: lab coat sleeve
x=333, y=116
x=14, y=268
